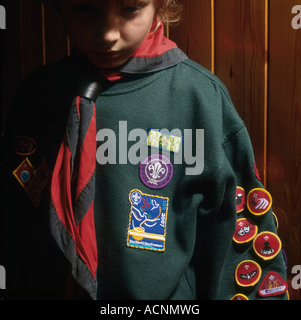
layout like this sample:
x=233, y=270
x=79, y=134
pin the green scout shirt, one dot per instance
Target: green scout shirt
x=154, y=242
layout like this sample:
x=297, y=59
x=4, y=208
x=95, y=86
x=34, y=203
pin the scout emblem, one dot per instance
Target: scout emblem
x=247, y=273
x=272, y=285
x=25, y=146
x=240, y=199
x=259, y=201
x=267, y=245
x=239, y=296
x=164, y=140
x=156, y=171
x=148, y=218
x=245, y=231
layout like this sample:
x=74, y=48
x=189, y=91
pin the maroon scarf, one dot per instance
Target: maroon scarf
x=73, y=179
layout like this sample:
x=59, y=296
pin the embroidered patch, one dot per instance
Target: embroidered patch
x=267, y=245
x=148, y=218
x=24, y=173
x=240, y=199
x=245, y=231
x=33, y=181
x=272, y=285
x=164, y=141
x=156, y=171
x=239, y=296
x=247, y=273
x=25, y=146
x=259, y=201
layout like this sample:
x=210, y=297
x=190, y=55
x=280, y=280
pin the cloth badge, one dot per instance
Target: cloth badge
x=247, y=273
x=267, y=245
x=25, y=146
x=272, y=285
x=239, y=296
x=148, y=218
x=164, y=141
x=259, y=201
x=245, y=231
x=156, y=171
x=33, y=181
x=240, y=199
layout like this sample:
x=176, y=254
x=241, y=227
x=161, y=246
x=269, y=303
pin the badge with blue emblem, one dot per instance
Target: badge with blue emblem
x=148, y=218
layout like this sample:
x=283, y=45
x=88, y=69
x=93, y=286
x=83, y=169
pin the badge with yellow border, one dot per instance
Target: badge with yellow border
x=148, y=219
x=259, y=201
x=239, y=296
x=245, y=231
x=240, y=199
x=247, y=273
x=267, y=245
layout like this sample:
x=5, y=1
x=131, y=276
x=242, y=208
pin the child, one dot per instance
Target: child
x=145, y=165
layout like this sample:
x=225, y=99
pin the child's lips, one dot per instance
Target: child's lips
x=106, y=54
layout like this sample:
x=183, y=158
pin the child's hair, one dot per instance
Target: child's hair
x=169, y=11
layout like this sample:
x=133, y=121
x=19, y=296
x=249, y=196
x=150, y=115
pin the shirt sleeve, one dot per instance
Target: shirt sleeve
x=240, y=252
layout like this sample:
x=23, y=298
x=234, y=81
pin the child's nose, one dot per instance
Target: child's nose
x=108, y=31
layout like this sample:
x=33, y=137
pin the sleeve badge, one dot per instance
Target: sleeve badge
x=245, y=231
x=259, y=201
x=247, y=273
x=239, y=296
x=267, y=245
x=240, y=199
x=272, y=285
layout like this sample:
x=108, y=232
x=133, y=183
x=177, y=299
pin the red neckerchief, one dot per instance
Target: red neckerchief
x=73, y=178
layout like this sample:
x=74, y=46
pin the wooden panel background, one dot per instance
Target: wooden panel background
x=250, y=45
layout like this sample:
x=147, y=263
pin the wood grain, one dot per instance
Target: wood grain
x=284, y=130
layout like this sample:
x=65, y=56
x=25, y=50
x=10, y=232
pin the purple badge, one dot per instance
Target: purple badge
x=156, y=171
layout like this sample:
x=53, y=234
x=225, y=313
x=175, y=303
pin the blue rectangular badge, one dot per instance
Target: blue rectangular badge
x=148, y=218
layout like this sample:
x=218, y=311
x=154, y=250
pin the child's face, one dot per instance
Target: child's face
x=108, y=32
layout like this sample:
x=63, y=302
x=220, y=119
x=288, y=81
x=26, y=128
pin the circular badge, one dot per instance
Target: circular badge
x=240, y=199
x=239, y=296
x=245, y=231
x=267, y=245
x=25, y=146
x=247, y=273
x=259, y=201
x=156, y=171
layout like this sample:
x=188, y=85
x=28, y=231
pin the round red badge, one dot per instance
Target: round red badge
x=239, y=296
x=247, y=273
x=245, y=231
x=272, y=285
x=240, y=199
x=267, y=245
x=259, y=201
